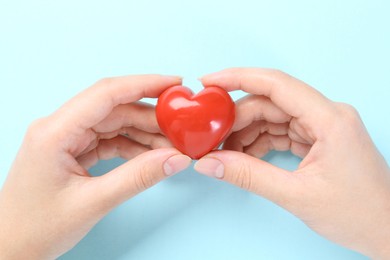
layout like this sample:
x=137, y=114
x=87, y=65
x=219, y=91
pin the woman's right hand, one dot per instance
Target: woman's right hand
x=341, y=188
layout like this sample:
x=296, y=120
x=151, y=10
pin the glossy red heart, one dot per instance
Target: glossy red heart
x=195, y=124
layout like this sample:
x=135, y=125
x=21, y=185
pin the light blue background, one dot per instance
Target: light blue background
x=51, y=50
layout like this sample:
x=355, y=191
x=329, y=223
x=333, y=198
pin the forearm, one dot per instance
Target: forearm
x=17, y=239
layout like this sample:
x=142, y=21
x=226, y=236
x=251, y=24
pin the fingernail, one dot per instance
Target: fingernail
x=210, y=167
x=176, y=164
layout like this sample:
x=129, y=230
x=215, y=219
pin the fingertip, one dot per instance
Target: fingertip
x=173, y=80
x=174, y=77
x=208, y=78
x=176, y=164
x=210, y=166
x=222, y=79
x=163, y=79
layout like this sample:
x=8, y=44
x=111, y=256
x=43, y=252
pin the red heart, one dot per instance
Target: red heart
x=195, y=124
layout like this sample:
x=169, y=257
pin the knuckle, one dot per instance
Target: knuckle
x=143, y=179
x=243, y=177
x=348, y=114
x=36, y=130
x=105, y=82
x=276, y=73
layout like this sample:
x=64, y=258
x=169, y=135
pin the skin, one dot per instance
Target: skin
x=341, y=188
x=49, y=201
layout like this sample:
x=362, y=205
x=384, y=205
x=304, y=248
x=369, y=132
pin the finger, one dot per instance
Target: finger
x=154, y=141
x=119, y=146
x=294, y=97
x=95, y=103
x=149, y=140
x=300, y=149
x=238, y=140
x=267, y=142
x=134, y=176
x=251, y=174
x=140, y=115
x=253, y=108
x=246, y=136
x=298, y=133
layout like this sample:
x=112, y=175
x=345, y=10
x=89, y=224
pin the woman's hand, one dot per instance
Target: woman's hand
x=341, y=188
x=49, y=201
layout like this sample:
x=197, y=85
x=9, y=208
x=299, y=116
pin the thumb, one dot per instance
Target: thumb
x=136, y=175
x=249, y=173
